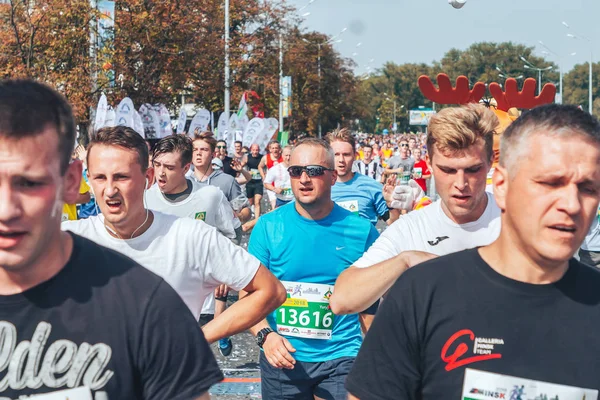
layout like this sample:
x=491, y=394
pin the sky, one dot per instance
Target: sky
x=418, y=31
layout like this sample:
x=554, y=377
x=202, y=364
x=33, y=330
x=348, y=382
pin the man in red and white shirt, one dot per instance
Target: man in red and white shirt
x=420, y=171
x=271, y=159
x=277, y=179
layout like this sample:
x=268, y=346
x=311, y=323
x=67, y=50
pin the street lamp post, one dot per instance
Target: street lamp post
x=280, y=82
x=590, y=106
x=227, y=93
x=529, y=65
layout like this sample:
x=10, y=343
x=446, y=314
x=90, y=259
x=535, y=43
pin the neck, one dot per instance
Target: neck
x=473, y=216
x=203, y=172
x=346, y=177
x=508, y=257
x=131, y=229
x=180, y=188
x=315, y=211
x=49, y=263
x=367, y=161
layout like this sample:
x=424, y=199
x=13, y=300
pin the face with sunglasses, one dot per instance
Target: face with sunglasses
x=311, y=176
x=221, y=150
x=404, y=149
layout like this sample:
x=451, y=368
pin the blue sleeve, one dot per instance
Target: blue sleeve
x=373, y=236
x=257, y=245
x=380, y=204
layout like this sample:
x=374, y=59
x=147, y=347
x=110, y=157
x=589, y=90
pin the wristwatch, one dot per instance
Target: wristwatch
x=261, y=336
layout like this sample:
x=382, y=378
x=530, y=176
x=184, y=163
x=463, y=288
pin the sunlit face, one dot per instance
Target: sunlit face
x=552, y=199
x=375, y=148
x=238, y=148
x=312, y=191
x=169, y=172
x=118, y=183
x=460, y=180
x=221, y=150
x=367, y=154
x=286, y=154
x=344, y=157
x=32, y=193
x=254, y=150
x=412, y=143
x=416, y=153
x=404, y=149
x=202, y=156
x=275, y=151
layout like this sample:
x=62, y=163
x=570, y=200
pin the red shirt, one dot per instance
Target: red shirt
x=424, y=171
x=271, y=162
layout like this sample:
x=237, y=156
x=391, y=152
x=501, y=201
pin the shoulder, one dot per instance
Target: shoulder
x=81, y=226
x=371, y=183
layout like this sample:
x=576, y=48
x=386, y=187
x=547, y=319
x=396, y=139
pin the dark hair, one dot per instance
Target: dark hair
x=237, y=142
x=367, y=146
x=124, y=137
x=208, y=138
x=175, y=144
x=27, y=108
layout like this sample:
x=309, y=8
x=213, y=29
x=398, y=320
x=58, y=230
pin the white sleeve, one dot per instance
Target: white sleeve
x=388, y=245
x=270, y=177
x=225, y=217
x=221, y=260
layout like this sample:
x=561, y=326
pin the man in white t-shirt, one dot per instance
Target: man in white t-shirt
x=460, y=146
x=278, y=181
x=193, y=257
x=176, y=195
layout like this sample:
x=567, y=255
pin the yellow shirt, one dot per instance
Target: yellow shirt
x=70, y=210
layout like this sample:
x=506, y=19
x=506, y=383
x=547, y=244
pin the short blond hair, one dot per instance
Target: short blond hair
x=341, y=135
x=458, y=128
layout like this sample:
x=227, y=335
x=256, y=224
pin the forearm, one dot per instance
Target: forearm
x=268, y=186
x=244, y=215
x=246, y=174
x=394, y=215
x=246, y=313
x=373, y=281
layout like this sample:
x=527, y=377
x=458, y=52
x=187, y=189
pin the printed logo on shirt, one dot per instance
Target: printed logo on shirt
x=200, y=215
x=454, y=352
x=499, y=393
x=60, y=364
x=437, y=240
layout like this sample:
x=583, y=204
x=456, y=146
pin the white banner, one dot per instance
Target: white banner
x=234, y=125
x=138, y=125
x=111, y=116
x=243, y=123
x=253, y=131
x=222, y=126
x=101, y=112
x=151, y=121
x=165, y=120
x=271, y=125
x=124, y=113
x=199, y=122
x=181, y=121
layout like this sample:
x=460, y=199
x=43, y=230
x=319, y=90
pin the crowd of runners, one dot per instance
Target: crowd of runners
x=116, y=258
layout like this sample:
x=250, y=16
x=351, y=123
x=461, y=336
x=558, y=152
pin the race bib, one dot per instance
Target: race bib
x=255, y=174
x=305, y=313
x=418, y=173
x=480, y=385
x=350, y=205
x=80, y=393
x=287, y=192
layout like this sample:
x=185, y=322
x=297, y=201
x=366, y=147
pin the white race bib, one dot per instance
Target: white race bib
x=305, y=313
x=255, y=174
x=350, y=205
x=480, y=385
x=80, y=393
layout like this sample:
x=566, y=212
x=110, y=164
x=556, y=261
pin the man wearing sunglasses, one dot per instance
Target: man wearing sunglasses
x=323, y=345
x=221, y=154
x=401, y=163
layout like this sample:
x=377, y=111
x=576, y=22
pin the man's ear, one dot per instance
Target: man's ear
x=72, y=181
x=500, y=180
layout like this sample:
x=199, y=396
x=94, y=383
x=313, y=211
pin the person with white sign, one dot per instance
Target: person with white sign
x=308, y=351
x=76, y=317
x=193, y=257
x=456, y=326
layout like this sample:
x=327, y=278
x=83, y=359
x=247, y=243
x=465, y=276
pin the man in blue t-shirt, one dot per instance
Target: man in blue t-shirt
x=356, y=192
x=308, y=351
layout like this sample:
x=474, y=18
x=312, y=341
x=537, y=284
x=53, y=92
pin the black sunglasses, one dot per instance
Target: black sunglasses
x=221, y=147
x=295, y=171
x=403, y=145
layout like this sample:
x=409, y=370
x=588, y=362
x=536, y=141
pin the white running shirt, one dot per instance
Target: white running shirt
x=206, y=203
x=278, y=176
x=429, y=229
x=189, y=255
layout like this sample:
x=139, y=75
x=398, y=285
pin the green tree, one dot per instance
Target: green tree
x=576, y=86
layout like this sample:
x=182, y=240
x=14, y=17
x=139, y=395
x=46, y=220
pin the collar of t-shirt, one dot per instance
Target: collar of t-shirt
x=350, y=181
x=335, y=215
x=482, y=219
x=178, y=197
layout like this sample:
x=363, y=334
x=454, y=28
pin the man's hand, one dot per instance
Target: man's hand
x=403, y=197
x=221, y=291
x=415, y=257
x=277, y=350
x=278, y=190
x=236, y=165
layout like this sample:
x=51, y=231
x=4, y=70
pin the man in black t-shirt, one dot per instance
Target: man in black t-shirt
x=221, y=153
x=522, y=306
x=75, y=316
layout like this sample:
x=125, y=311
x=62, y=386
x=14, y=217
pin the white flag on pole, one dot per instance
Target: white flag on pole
x=165, y=121
x=138, y=125
x=125, y=112
x=151, y=121
x=222, y=126
x=111, y=116
x=199, y=122
x=255, y=127
x=101, y=112
x=181, y=121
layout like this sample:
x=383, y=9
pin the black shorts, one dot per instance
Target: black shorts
x=253, y=188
